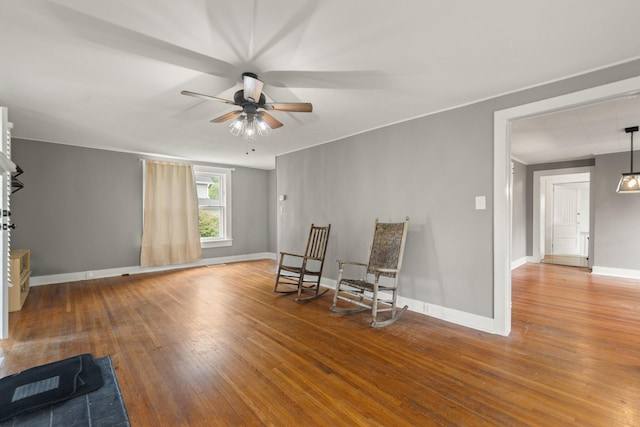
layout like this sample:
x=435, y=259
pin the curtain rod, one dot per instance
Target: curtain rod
x=187, y=163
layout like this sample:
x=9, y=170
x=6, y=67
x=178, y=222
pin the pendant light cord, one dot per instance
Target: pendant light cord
x=631, y=130
x=631, y=155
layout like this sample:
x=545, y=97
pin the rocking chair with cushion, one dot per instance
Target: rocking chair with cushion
x=302, y=273
x=376, y=287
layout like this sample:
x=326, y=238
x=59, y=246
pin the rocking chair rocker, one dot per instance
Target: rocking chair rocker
x=378, y=282
x=300, y=273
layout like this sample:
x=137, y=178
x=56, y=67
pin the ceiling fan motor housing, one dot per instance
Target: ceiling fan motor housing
x=240, y=100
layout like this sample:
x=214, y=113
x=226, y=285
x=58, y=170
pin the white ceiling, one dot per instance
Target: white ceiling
x=576, y=133
x=108, y=74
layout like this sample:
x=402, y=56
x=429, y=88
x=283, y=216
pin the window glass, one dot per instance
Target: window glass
x=213, y=190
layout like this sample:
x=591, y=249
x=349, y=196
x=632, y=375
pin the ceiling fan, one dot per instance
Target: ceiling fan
x=253, y=115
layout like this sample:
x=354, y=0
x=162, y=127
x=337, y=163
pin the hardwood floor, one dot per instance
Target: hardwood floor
x=215, y=346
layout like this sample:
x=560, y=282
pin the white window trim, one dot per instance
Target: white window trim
x=210, y=242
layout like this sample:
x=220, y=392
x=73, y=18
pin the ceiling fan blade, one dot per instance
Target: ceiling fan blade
x=362, y=79
x=207, y=97
x=226, y=117
x=121, y=38
x=252, y=88
x=271, y=121
x=294, y=107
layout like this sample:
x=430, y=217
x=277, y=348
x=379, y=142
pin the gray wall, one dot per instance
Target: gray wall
x=250, y=198
x=272, y=206
x=395, y=172
x=617, y=230
x=81, y=209
x=413, y=169
x=519, y=212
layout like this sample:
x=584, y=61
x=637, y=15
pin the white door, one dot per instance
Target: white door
x=565, y=232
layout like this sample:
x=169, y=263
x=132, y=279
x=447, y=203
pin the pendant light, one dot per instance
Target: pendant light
x=630, y=182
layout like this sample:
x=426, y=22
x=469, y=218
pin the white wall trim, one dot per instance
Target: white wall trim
x=451, y=315
x=502, y=222
x=112, y=272
x=457, y=317
x=502, y=173
x=518, y=262
x=615, y=272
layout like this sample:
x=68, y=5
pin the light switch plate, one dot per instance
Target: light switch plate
x=481, y=203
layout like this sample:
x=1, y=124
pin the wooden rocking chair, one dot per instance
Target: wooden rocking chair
x=303, y=272
x=376, y=288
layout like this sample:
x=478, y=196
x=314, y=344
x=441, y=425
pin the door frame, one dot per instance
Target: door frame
x=502, y=182
x=538, y=231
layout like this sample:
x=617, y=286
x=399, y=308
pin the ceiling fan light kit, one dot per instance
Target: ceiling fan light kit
x=247, y=126
x=630, y=182
x=253, y=119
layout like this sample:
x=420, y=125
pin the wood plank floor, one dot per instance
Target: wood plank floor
x=215, y=346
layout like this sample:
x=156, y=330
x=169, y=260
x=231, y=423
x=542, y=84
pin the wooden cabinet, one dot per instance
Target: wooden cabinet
x=19, y=273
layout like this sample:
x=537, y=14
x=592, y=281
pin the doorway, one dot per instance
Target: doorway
x=502, y=175
x=542, y=226
x=565, y=228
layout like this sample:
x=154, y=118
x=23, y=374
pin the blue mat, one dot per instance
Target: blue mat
x=102, y=407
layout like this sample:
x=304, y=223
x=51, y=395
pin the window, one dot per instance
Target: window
x=213, y=187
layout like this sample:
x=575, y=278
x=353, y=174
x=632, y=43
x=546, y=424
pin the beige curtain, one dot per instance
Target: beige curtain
x=171, y=233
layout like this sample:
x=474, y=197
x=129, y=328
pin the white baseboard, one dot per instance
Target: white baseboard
x=518, y=262
x=112, y=272
x=451, y=315
x=616, y=272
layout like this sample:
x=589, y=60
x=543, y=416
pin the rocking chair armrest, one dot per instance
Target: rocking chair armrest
x=290, y=254
x=299, y=256
x=387, y=270
x=377, y=272
x=342, y=263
